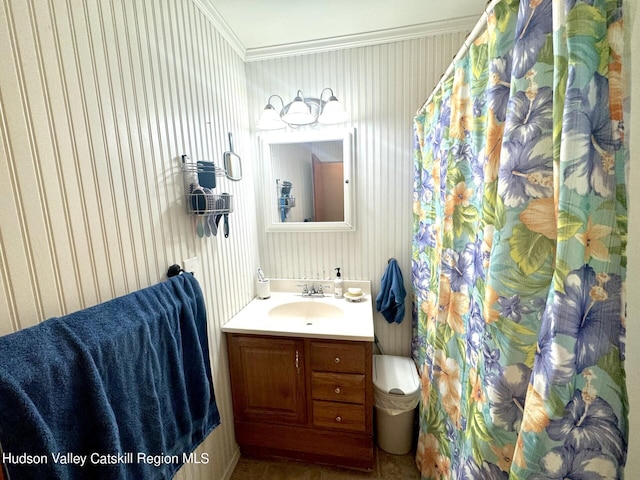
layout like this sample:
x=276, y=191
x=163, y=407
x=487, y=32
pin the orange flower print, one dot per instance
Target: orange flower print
x=505, y=456
x=534, y=418
x=591, y=239
x=449, y=205
x=435, y=171
x=487, y=245
x=427, y=453
x=495, y=130
x=426, y=385
x=429, y=110
x=443, y=467
x=540, y=217
x=518, y=454
x=462, y=194
x=490, y=298
x=615, y=37
x=482, y=39
x=477, y=394
x=452, y=306
x=449, y=386
x=430, y=308
x=438, y=234
x=461, y=115
x=417, y=208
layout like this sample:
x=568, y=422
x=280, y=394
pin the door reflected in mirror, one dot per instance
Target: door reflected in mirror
x=310, y=180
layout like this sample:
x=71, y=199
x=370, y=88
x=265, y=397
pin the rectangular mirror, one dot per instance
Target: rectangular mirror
x=309, y=184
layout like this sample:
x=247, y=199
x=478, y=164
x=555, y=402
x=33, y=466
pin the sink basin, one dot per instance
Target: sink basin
x=305, y=310
x=286, y=313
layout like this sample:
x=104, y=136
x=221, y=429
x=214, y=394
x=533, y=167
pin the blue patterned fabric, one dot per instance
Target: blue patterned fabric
x=519, y=252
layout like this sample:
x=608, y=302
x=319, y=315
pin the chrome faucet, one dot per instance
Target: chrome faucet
x=305, y=289
x=314, y=291
x=320, y=289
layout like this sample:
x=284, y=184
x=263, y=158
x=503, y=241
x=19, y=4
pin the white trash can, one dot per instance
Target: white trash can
x=396, y=395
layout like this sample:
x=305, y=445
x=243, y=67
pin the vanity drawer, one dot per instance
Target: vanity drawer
x=338, y=357
x=338, y=387
x=337, y=415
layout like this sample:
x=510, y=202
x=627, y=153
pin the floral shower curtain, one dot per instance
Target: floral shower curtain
x=519, y=250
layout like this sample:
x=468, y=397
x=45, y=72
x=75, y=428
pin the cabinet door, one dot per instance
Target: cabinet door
x=267, y=379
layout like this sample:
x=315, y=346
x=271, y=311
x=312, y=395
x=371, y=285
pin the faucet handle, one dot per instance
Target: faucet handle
x=305, y=289
x=320, y=288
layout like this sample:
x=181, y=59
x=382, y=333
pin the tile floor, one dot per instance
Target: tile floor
x=387, y=466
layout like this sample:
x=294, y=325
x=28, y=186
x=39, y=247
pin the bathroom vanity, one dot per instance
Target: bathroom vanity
x=301, y=378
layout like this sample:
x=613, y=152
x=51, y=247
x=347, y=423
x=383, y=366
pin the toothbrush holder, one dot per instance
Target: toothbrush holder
x=264, y=289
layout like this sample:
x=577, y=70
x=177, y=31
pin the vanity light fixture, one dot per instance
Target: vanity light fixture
x=302, y=111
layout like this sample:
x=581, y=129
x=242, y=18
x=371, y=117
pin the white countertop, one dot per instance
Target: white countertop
x=354, y=323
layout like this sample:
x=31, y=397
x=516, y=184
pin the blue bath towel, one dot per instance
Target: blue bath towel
x=129, y=376
x=390, y=299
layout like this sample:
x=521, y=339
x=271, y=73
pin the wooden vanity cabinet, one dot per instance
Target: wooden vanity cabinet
x=269, y=376
x=309, y=399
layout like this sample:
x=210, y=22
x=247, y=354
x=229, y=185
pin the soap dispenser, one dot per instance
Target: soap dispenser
x=337, y=283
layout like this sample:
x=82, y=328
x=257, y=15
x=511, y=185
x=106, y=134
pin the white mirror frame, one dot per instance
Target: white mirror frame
x=270, y=195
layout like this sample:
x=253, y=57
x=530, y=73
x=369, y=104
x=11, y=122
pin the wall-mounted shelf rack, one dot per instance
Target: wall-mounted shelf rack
x=199, y=180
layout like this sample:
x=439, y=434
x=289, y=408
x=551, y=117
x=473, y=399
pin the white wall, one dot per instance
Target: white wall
x=98, y=101
x=381, y=87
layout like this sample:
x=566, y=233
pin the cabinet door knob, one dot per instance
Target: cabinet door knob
x=337, y=360
x=337, y=390
x=338, y=419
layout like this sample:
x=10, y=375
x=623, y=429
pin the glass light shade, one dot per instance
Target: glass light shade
x=270, y=120
x=298, y=113
x=333, y=112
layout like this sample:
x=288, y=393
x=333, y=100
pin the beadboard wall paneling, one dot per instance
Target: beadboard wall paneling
x=98, y=100
x=381, y=86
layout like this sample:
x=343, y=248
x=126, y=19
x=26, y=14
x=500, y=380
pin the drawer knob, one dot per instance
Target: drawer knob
x=338, y=419
x=337, y=390
x=337, y=360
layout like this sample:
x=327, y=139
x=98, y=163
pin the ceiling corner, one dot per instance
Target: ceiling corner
x=221, y=25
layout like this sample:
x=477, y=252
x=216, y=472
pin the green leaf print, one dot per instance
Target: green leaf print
x=477, y=432
x=493, y=212
x=546, y=52
x=568, y=225
x=611, y=363
x=560, y=274
x=465, y=220
x=585, y=29
x=530, y=250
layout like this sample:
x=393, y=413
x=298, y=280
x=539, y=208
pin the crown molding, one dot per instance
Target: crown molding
x=221, y=26
x=361, y=39
x=376, y=37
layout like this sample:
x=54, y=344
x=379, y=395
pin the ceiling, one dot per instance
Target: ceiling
x=258, y=24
